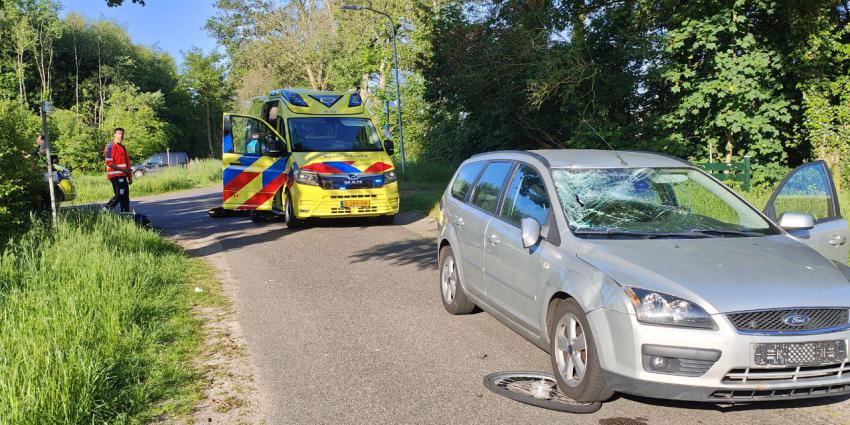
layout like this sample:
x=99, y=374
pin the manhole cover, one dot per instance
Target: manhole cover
x=537, y=389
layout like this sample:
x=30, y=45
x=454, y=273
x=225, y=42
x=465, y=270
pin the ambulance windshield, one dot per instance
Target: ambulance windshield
x=333, y=134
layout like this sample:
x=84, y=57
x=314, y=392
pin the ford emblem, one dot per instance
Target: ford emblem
x=795, y=319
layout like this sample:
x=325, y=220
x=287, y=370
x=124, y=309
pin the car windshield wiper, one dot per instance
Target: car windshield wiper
x=615, y=234
x=726, y=233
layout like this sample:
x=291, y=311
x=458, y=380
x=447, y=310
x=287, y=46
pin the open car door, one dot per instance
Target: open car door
x=809, y=189
x=254, y=162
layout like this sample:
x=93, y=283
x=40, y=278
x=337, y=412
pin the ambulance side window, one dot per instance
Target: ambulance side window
x=248, y=134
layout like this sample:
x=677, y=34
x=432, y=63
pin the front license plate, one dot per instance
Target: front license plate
x=357, y=203
x=799, y=353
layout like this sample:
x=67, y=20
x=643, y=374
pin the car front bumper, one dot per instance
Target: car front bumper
x=626, y=346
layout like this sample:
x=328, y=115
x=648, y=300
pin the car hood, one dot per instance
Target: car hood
x=343, y=162
x=724, y=274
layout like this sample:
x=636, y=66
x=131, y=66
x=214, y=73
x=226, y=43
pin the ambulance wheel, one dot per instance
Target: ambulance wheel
x=292, y=221
x=386, y=219
x=139, y=173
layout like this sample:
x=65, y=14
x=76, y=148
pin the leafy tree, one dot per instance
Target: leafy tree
x=19, y=177
x=205, y=77
x=826, y=94
x=136, y=112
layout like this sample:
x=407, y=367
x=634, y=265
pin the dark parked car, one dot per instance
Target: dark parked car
x=161, y=160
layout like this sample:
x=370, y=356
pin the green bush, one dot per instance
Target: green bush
x=19, y=175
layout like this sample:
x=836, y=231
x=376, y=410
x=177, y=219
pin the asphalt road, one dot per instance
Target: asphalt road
x=345, y=325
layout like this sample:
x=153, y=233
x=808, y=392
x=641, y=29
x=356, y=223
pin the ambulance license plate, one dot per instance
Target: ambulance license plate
x=356, y=203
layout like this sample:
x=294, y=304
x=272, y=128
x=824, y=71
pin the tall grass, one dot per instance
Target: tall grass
x=96, y=323
x=198, y=173
x=421, y=185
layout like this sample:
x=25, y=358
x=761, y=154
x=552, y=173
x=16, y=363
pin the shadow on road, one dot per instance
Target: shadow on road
x=420, y=253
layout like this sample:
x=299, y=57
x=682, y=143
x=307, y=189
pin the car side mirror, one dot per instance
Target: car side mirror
x=796, y=221
x=389, y=146
x=530, y=232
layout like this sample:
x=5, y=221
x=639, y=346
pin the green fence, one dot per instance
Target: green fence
x=736, y=171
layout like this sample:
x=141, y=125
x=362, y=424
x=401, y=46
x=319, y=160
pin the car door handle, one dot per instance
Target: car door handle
x=837, y=240
x=235, y=163
x=494, y=239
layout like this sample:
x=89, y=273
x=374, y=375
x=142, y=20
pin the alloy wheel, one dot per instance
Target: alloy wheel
x=571, y=350
x=448, y=280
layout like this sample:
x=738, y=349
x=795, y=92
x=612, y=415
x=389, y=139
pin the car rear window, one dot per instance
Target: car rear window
x=465, y=177
x=486, y=194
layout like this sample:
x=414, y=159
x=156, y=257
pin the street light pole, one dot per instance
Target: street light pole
x=355, y=7
x=47, y=107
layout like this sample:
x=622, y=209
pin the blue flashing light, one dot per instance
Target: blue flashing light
x=293, y=98
x=355, y=100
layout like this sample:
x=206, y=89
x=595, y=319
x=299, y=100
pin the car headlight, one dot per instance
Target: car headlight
x=664, y=309
x=389, y=177
x=306, y=177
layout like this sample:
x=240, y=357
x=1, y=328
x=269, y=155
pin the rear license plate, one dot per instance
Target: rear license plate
x=799, y=353
x=357, y=203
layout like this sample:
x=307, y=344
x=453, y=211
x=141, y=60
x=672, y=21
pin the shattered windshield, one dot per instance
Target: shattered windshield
x=654, y=202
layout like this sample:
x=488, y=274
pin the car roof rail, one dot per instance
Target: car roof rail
x=666, y=155
x=534, y=155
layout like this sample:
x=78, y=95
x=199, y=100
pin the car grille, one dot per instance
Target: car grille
x=786, y=375
x=779, y=394
x=772, y=321
x=353, y=181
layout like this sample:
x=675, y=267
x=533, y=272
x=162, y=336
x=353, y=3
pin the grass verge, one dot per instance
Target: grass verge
x=422, y=184
x=199, y=173
x=97, y=324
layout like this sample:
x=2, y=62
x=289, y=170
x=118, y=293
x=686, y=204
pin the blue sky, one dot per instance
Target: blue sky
x=171, y=25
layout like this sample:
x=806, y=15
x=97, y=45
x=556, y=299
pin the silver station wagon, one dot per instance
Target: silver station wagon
x=642, y=274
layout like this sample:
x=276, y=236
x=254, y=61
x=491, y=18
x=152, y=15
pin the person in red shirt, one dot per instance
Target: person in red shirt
x=118, y=171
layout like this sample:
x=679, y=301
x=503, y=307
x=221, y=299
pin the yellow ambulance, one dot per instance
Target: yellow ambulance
x=305, y=154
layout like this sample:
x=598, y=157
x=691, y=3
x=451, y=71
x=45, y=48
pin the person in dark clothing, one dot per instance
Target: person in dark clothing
x=118, y=171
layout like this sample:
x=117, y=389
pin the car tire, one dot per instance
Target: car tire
x=138, y=173
x=451, y=290
x=289, y=217
x=582, y=386
x=386, y=220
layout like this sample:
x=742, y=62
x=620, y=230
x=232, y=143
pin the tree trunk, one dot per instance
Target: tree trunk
x=382, y=76
x=729, y=147
x=311, y=77
x=19, y=71
x=364, y=85
x=209, y=131
x=40, y=59
x=99, y=110
x=76, y=77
